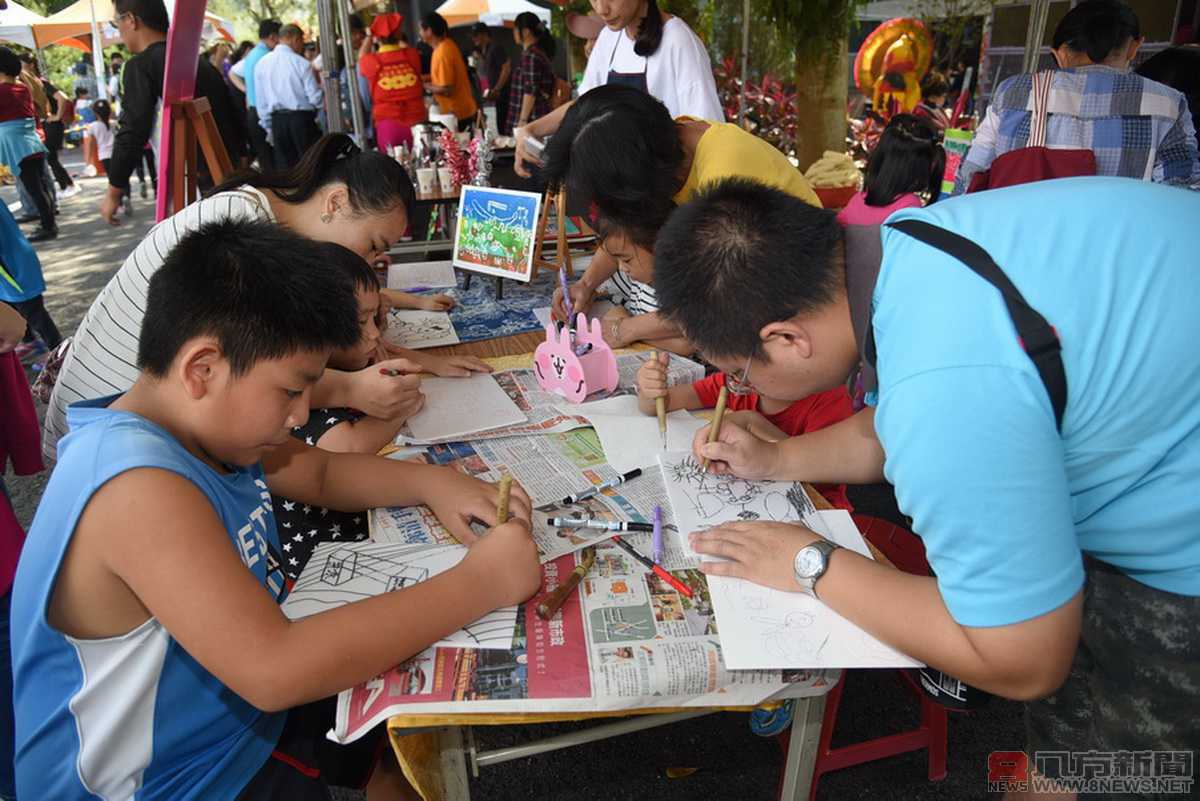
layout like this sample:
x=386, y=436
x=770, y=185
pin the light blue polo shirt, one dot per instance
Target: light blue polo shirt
x=252, y=58
x=1005, y=505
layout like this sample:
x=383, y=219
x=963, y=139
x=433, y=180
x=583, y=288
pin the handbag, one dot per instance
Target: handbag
x=1035, y=161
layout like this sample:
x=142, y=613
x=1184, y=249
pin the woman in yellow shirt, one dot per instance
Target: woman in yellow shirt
x=619, y=150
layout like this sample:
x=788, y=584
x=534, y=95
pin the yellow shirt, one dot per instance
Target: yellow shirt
x=727, y=151
x=447, y=68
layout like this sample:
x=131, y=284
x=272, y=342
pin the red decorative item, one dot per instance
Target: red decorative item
x=456, y=159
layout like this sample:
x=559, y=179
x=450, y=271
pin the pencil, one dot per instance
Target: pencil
x=552, y=602
x=714, y=430
x=658, y=570
x=660, y=409
x=502, y=503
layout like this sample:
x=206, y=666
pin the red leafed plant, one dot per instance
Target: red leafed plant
x=770, y=104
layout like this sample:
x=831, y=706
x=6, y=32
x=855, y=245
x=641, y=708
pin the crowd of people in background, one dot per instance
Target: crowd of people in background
x=1089, y=547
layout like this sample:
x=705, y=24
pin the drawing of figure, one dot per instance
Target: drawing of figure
x=793, y=639
x=721, y=498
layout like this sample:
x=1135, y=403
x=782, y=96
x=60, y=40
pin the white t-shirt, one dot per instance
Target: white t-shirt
x=102, y=359
x=679, y=73
x=103, y=134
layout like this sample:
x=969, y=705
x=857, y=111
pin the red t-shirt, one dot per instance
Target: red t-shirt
x=396, y=88
x=802, y=417
x=15, y=102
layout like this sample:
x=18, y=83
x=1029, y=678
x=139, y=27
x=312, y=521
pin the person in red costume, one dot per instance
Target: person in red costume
x=394, y=72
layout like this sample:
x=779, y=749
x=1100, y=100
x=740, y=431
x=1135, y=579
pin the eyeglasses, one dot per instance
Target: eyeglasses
x=739, y=382
x=116, y=21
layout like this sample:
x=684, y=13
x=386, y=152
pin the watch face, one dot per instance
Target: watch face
x=808, y=562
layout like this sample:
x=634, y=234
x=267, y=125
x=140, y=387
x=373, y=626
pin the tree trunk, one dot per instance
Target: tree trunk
x=821, y=105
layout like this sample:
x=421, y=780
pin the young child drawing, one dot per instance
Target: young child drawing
x=150, y=580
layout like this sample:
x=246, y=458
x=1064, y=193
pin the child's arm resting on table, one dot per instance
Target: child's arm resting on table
x=355, y=481
x=172, y=556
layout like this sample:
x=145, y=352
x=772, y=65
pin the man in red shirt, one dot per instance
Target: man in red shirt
x=768, y=418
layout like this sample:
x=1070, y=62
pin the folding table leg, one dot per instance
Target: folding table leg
x=802, y=749
x=454, y=764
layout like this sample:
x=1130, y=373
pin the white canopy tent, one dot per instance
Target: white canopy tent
x=16, y=24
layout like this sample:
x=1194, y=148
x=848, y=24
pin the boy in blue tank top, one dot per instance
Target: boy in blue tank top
x=151, y=659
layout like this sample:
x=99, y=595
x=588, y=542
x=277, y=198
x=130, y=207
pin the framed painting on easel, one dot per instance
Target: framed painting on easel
x=496, y=232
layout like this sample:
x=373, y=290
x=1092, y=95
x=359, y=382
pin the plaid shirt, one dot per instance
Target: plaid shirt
x=533, y=76
x=1137, y=128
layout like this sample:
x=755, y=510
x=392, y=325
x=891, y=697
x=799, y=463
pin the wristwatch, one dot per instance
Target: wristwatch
x=810, y=564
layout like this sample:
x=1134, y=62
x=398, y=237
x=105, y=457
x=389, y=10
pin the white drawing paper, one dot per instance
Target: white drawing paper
x=632, y=439
x=421, y=275
x=455, y=407
x=420, y=328
x=342, y=573
x=761, y=627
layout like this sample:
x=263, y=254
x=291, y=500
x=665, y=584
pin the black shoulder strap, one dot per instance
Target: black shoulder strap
x=1038, y=338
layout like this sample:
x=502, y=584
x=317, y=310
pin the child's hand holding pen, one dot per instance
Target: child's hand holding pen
x=652, y=382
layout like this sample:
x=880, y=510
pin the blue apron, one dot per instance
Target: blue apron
x=635, y=79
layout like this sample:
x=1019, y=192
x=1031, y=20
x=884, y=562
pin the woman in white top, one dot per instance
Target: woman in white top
x=336, y=193
x=647, y=49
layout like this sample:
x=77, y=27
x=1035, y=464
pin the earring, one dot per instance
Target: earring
x=327, y=218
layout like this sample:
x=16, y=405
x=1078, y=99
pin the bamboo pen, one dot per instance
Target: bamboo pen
x=660, y=408
x=714, y=430
x=502, y=502
x=552, y=602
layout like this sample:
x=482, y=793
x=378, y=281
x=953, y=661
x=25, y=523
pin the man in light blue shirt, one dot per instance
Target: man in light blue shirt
x=1072, y=549
x=288, y=97
x=242, y=76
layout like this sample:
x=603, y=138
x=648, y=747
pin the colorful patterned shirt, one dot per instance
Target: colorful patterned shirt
x=1137, y=128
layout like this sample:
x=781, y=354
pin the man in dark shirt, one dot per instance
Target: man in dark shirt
x=495, y=67
x=143, y=28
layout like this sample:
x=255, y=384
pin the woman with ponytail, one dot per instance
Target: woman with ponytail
x=335, y=193
x=533, y=80
x=647, y=49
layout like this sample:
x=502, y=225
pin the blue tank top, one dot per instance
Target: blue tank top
x=133, y=716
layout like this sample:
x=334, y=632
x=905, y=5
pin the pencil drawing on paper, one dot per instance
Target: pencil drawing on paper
x=413, y=328
x=716, y=498
x=338, y=575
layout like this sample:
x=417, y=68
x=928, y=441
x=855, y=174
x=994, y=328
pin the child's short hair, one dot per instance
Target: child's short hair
x=908, y=158
x=261, y=290
x=349, y=264
x=739, y=256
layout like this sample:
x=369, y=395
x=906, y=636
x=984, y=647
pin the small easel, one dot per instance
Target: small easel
x=563, y=258
x=193, y=124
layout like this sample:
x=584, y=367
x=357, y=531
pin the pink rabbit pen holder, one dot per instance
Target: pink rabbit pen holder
x=575, y=364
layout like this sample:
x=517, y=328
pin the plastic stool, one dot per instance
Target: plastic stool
x=906, y=552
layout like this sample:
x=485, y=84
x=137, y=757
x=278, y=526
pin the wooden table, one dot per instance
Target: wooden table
x=436, y=750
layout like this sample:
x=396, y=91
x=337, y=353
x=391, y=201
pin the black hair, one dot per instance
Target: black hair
x=26, y=58
x=103, y=111
x=268, y=28
x=375, y=182
x=80, y=91
x=262, y=291
x=350, y=264
x=481, y=28
x=528, y=21
x=908, y=158
x=1178, y=68
x=642, y=233
x=650, y=31
x=244, y=47
x=934, y=84
x=742, y=255
x=436, y=23
x=10, y=64
x=152, y=13
x=1097, y=28
x=619, y=148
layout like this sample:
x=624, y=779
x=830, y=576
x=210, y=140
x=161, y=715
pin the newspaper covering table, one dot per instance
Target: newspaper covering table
x=625, y=640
